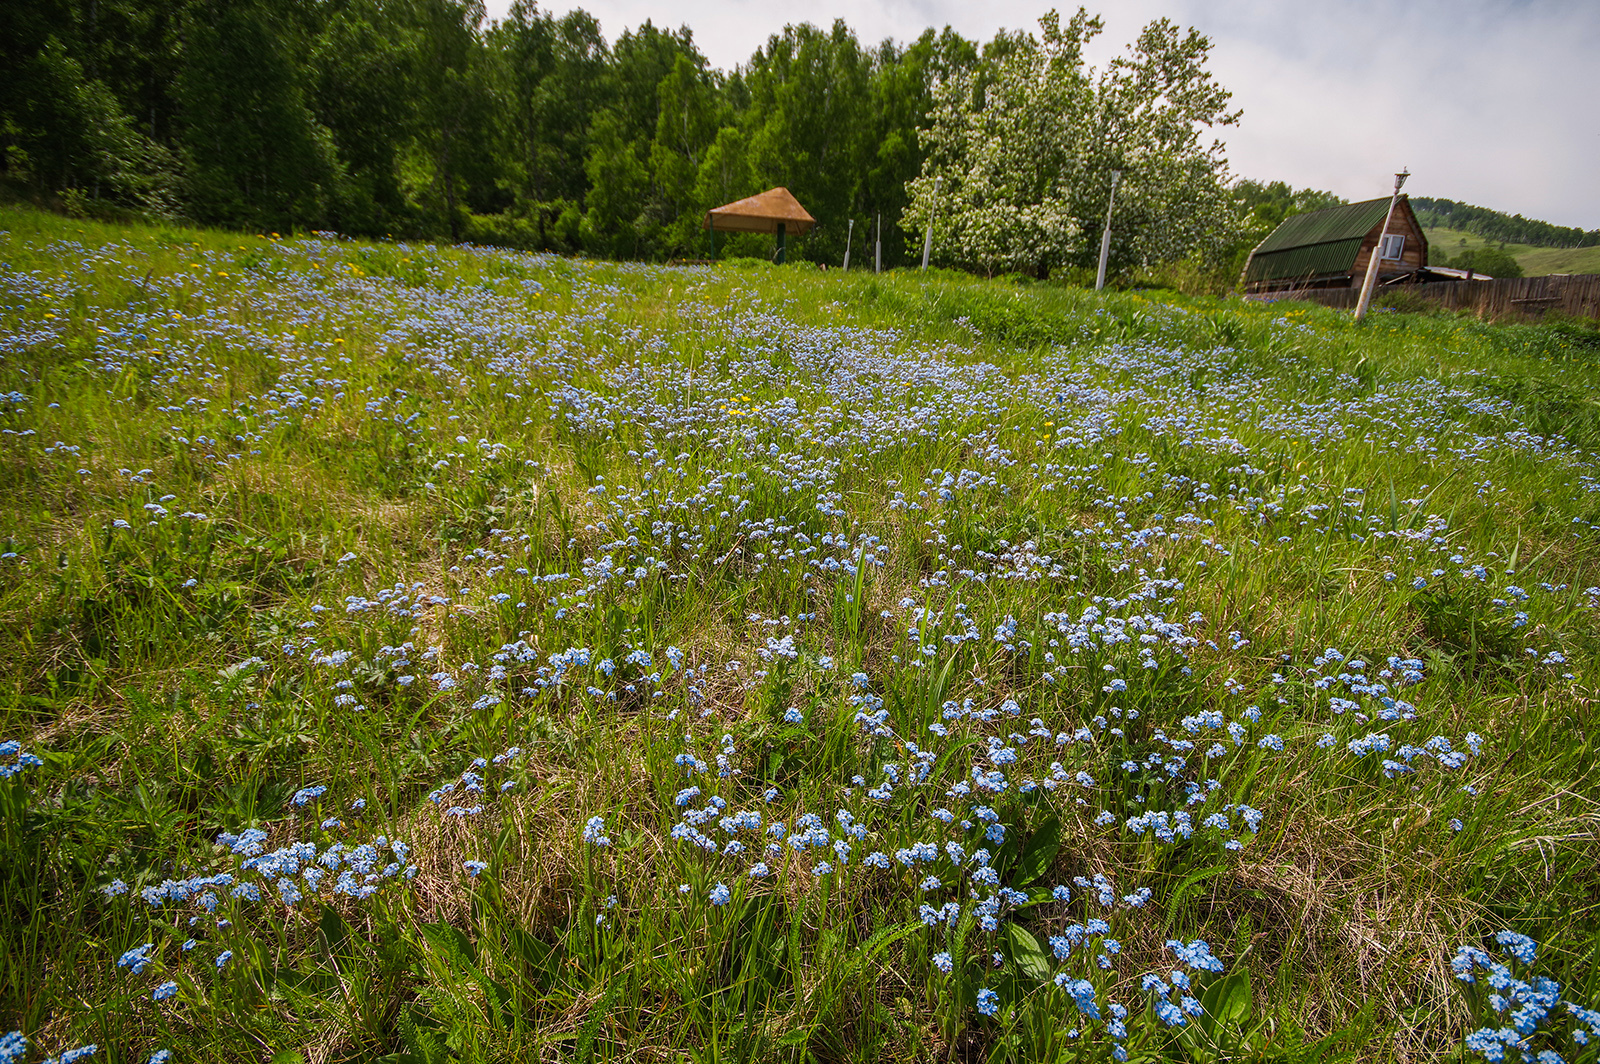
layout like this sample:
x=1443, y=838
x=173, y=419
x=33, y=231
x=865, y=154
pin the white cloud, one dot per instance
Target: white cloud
x=1487, y=102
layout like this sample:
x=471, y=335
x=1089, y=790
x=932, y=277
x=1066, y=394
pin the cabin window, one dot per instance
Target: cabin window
x=1393, y=245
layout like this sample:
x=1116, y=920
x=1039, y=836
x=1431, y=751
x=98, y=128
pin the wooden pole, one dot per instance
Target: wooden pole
x=1105, y=237
x=1377, y=253
x=877, y=249
x=711, y=222
x=847, y=235
x=779, y=259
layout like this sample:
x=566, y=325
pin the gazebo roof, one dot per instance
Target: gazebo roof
x=761, y=214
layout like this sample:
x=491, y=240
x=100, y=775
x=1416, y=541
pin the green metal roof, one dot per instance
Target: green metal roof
x=1320, y=242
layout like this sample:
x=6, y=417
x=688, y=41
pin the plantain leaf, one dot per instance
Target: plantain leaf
x=1040, y=852
x=1029, y=957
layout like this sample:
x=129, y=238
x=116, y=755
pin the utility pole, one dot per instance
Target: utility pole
x=1377, y=253
x=847, y=235
x=927, y=241
x=1105, y=238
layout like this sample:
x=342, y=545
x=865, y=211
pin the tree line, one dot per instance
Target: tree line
x=1498, y=226
x=422, y=118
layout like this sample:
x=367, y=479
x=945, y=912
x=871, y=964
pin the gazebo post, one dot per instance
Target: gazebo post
x=780, y=244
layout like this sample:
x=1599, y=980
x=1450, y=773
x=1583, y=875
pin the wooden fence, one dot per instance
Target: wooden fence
x=1577, y=295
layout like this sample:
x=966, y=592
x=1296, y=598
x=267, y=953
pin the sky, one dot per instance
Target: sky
x=1489, y=102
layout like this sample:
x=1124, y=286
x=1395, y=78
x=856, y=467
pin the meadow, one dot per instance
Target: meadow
x=427, y=654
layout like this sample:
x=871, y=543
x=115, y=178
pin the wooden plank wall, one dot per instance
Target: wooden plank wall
x=1513, y=297
x=1413, y=255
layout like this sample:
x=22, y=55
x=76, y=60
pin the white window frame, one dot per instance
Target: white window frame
x=1394, y=245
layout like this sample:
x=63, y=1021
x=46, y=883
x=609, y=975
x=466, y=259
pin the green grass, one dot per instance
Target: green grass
x=296, y=530
x=1538, y=261
x=1535, y=261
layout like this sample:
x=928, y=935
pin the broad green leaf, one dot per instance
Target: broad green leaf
x=1039, y=853
x=1029, y=957
x=1228, y=999
x=334, y=930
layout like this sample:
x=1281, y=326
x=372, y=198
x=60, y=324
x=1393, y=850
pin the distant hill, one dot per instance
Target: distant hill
x=1444, y=244
x=1539, y=247
x=1498, y=227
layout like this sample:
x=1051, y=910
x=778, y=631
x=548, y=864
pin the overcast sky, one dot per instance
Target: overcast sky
x=1491, y=102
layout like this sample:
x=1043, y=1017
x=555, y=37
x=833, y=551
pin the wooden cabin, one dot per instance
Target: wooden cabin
x=1331, y=249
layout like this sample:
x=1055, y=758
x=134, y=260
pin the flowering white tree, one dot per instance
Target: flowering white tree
x=1024, y=147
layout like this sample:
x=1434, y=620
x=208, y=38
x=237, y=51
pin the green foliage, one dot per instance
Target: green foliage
x=902, y=100
x=808, y=121
x=453, y=89
x=1268, y=204
x=1443, y=244
x=685, y=129
x=1006, y=149
x=619, y=181
x=255, y=155
x=553, y=75
x=361, y=68
x=1489, y=261
x=724, y=172
x=414, y=118
x=1498, y=226
x=1261, y=207
x=68, y=130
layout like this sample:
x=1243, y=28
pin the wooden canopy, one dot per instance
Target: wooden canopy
x=761, y=214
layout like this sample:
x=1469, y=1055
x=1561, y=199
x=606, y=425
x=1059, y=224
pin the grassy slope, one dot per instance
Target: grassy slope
x=419, y=467
x=1534, y=261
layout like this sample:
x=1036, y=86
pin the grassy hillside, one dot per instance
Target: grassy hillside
x=426, y=654
x=1538, y=261
x=1534, y=261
